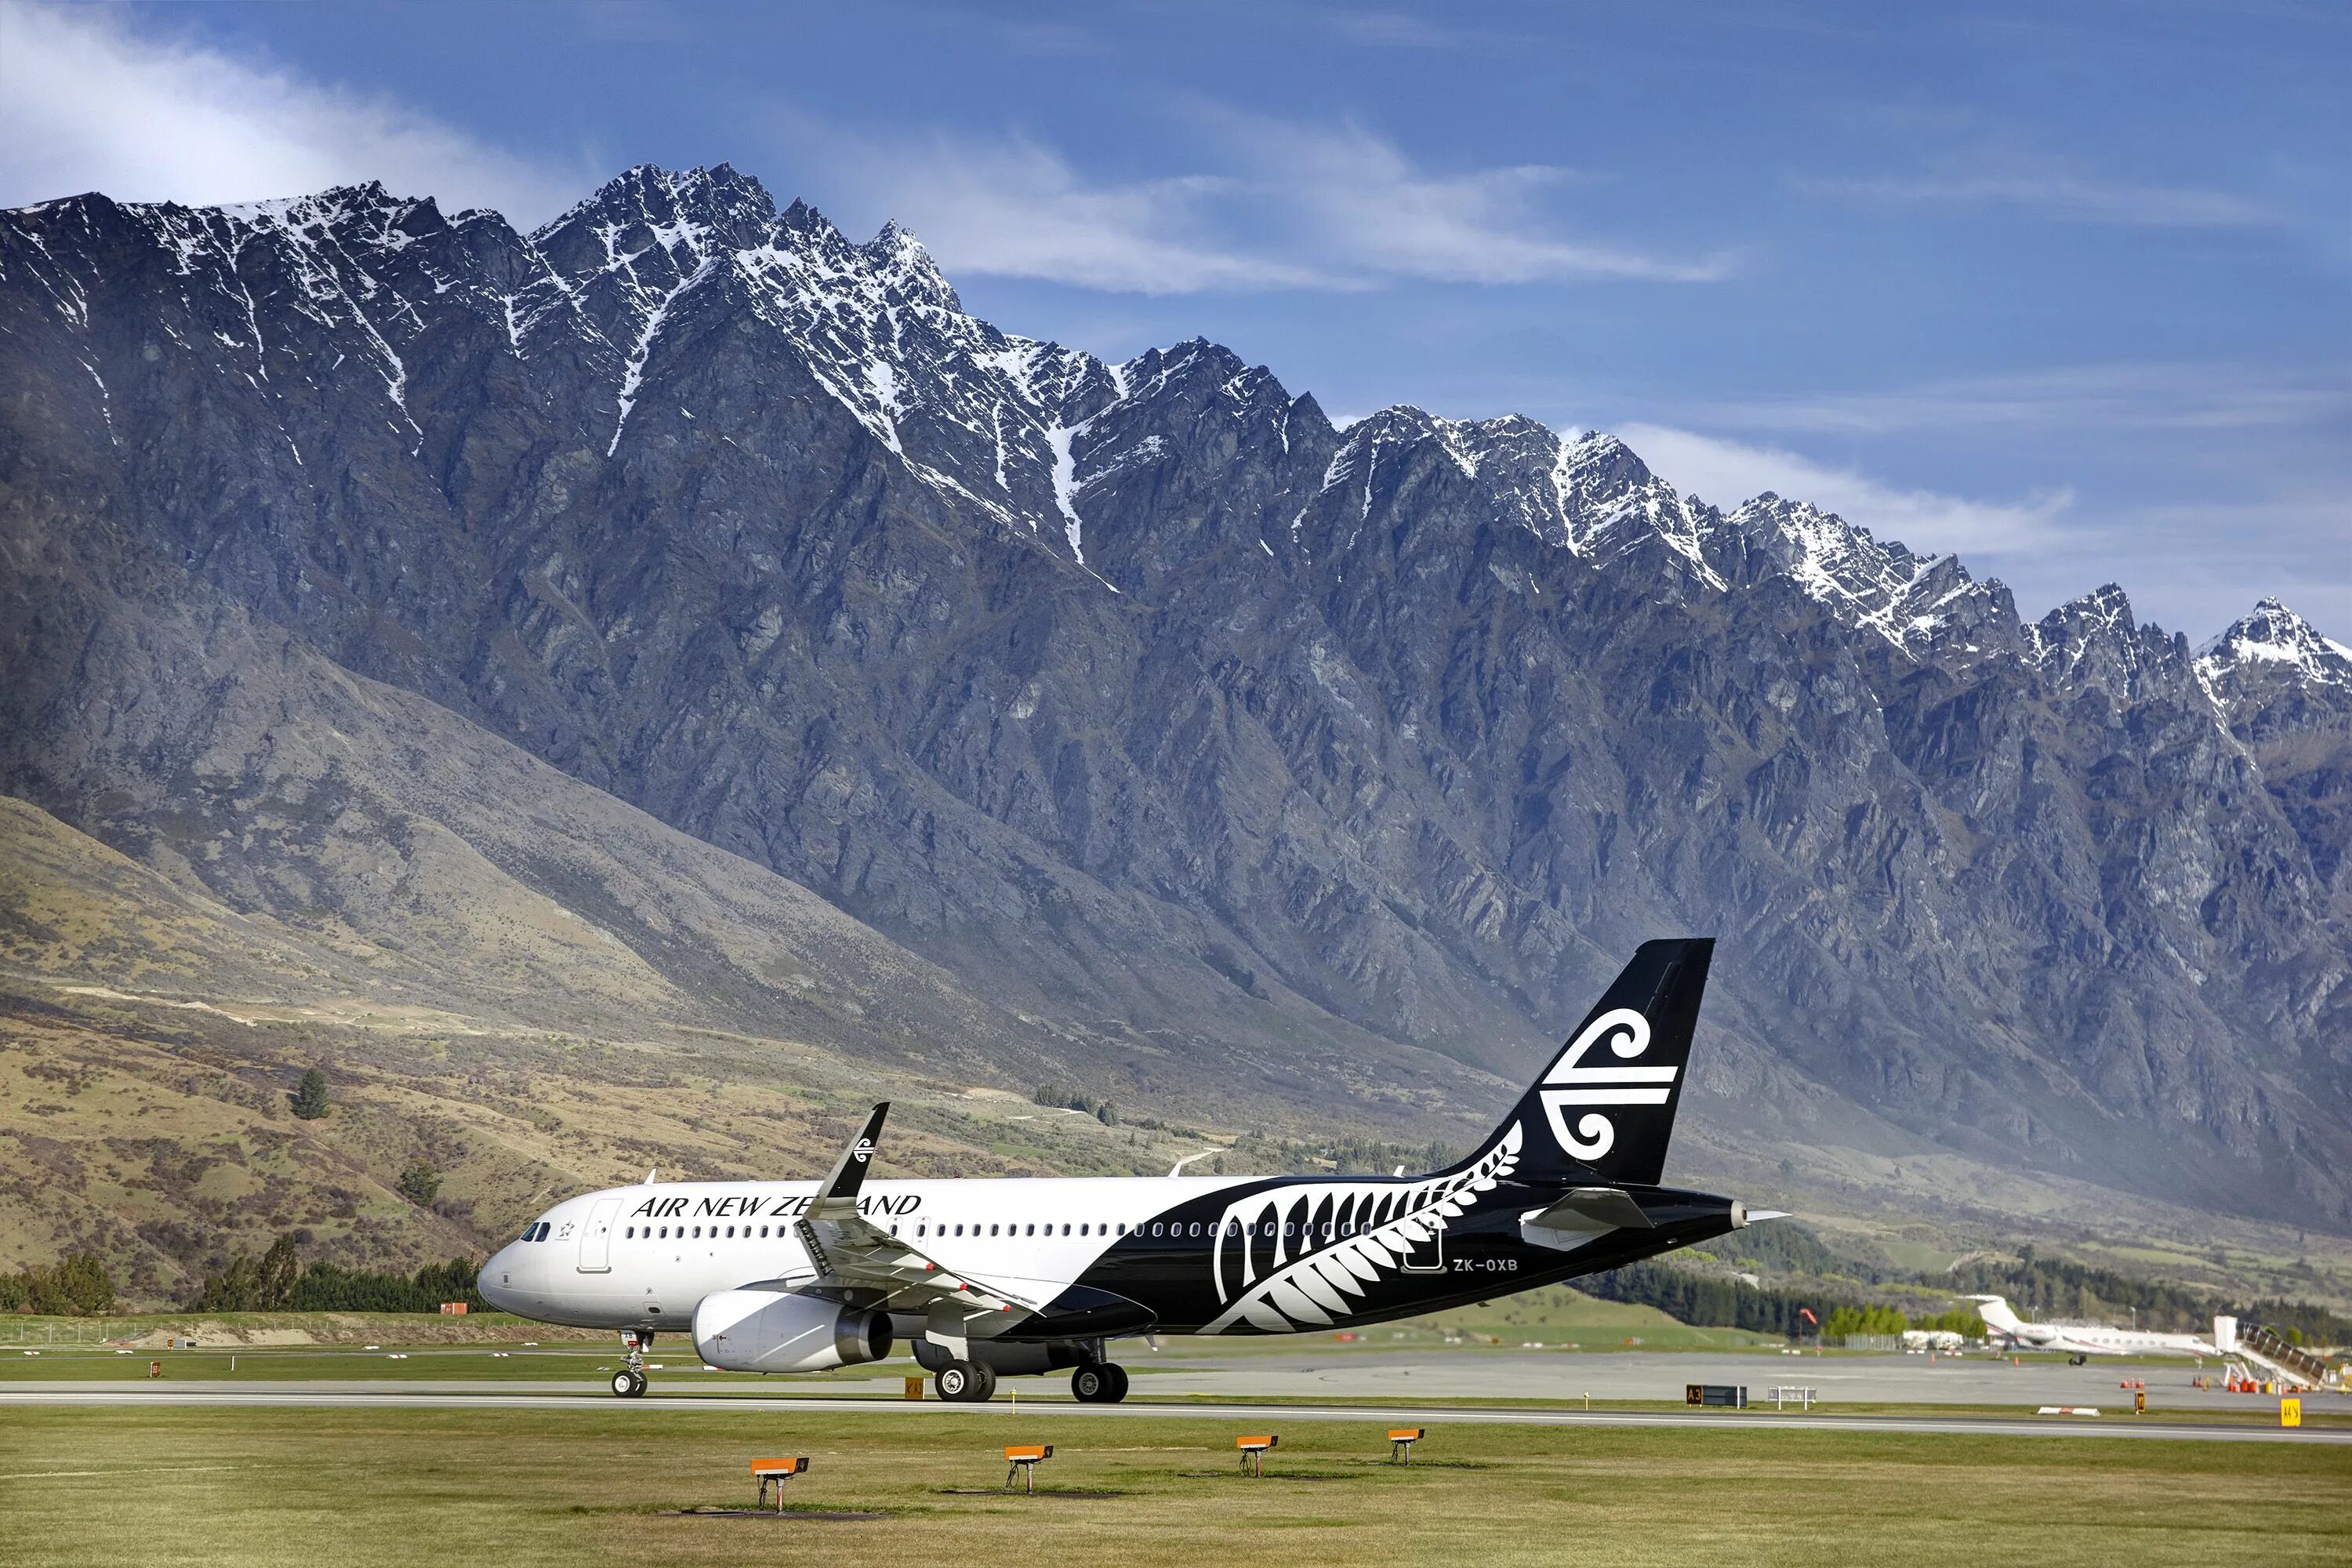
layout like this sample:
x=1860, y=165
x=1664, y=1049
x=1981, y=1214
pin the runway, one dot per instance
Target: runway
x=392, y=1397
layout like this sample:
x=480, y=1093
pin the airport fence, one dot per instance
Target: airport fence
x=39, y=1333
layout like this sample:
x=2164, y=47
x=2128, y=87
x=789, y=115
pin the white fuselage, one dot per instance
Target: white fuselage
x=641, y=1256
x=2076, y=1339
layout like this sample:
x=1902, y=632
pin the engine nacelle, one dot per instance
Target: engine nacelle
x=781, y=1331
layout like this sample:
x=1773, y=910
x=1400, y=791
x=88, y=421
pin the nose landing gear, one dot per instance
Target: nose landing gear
x=629, y=1381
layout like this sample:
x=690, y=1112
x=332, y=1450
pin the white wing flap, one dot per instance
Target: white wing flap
x=850, y=1251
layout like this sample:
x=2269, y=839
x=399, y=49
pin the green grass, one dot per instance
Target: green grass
x=395, y=1362
x=589, y=1487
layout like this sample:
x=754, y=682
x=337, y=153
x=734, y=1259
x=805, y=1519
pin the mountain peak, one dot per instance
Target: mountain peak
x=721, y=199
x=2274, y=635
x=908, y=266
x=1598, y=452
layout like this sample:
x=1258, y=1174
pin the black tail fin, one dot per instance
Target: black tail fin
x=1606, y=1107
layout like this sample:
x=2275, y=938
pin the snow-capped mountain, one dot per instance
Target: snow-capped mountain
x=2274, y=638
x=1142, y=695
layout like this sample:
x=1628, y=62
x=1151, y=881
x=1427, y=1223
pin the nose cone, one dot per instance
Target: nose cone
x=494, y=1281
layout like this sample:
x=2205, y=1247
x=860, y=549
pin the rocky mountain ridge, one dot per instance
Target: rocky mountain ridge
x=1143, y=697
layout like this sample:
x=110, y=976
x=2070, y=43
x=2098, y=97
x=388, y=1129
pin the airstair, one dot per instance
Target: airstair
x=2272, y=1353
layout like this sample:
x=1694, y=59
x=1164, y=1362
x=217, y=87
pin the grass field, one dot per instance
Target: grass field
x=581, y=1488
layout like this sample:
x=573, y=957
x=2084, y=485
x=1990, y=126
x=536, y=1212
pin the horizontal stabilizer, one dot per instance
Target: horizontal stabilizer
x=1584, y=1208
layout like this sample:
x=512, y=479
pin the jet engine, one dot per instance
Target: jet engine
x=783, y=1330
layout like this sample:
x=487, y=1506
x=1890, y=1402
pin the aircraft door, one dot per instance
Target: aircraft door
x=1427, y=1256
x=596, y=1238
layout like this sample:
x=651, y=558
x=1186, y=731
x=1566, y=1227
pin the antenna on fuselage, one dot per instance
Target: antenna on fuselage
x=649, y=1175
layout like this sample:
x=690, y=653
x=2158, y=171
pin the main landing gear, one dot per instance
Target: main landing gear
x=1099, y=1382
x=965, y=1383
x=629, y=1381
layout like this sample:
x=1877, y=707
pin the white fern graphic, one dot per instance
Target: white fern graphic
x=1353, y=1233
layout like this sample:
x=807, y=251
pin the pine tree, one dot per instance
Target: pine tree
x=420, y=1184
x=280, y=1272
x=311, y=1100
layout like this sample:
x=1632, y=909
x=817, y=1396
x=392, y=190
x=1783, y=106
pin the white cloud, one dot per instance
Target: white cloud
x=2061, y=190
x=1728, y=472
x=1357, y=199
x=2207, y=395
x=1013, y=208
x=86, y=104
x=1284, y=206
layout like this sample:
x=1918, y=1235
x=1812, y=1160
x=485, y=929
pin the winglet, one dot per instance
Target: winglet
x=849, y=1172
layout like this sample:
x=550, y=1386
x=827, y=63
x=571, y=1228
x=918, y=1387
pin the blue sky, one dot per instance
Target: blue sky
x=2066, y=289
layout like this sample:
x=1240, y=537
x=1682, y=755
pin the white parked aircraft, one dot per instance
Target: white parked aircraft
x=1030, y=1276
x=2081, y=1342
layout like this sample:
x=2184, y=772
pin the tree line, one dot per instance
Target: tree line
x=77, y=1286
x=2037, y=1287
x=278, y=1281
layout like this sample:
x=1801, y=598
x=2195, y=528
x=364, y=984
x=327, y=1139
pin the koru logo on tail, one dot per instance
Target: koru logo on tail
x=1571, y=1083
x=863, y=1152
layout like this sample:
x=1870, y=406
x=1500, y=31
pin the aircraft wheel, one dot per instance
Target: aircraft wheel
x=964, y=1383
x=628, y=1384
x=1118, y=1383
x=1092, y=1383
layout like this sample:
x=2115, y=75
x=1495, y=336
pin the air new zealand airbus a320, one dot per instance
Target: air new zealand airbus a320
x=1032, y=1276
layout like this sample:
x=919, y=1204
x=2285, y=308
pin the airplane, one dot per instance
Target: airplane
x=990, y=1278
x=2081, y=1342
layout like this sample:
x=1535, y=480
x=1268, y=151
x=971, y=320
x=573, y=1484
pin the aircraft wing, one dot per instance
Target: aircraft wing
x=851, y=1252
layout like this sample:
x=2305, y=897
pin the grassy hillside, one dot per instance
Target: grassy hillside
x=150, y=1033
x=150, y=1037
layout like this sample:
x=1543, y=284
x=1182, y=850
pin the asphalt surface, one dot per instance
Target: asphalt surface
x=397, y=1396
x=1335, y=1373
